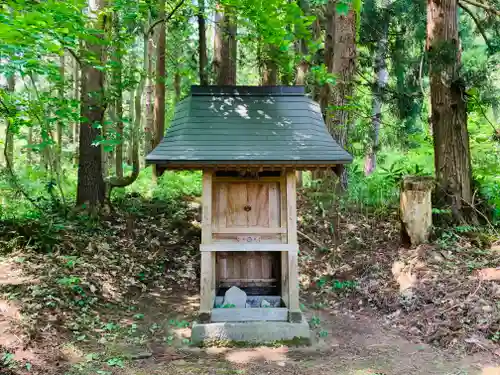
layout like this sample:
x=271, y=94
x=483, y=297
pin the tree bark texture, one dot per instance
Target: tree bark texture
x=159, y=108
x=226, y=75
x=149, y=113
x=341, y=39
x=76, y=98
x=381, y=79
x=449, y=107
x=117, y=78
x=60, y=124
x=218, y=30
x=91, y=189
x=301, y=50
x=202, y=44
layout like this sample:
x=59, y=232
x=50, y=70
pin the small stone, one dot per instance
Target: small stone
x=235, y=296
x=265, y=303
x=487, y=309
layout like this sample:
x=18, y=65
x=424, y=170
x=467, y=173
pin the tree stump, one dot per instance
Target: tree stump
x=416, y=209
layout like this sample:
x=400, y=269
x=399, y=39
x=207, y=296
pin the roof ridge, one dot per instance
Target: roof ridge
x=248, y=90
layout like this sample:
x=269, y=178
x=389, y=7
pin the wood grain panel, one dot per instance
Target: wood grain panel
x=274, y=205
x=258, y=199
x=236, y=201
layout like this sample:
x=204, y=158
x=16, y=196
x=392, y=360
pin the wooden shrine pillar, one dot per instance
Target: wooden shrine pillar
x=292, y=261
x=207, y=278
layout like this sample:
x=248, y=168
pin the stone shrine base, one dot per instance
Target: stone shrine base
x=257, y=332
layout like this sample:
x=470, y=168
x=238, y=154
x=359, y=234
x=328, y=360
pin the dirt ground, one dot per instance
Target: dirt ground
x=351, y=344
x=355, y=345
x=121, y=301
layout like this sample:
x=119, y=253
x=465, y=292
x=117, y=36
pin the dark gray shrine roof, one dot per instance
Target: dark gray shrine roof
x=238, y=125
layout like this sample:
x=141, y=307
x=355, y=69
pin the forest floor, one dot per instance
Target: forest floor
x=119, y=298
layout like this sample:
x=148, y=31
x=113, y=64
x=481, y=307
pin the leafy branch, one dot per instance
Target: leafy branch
x=484, y=6
x=478, y=25
x=166, y=19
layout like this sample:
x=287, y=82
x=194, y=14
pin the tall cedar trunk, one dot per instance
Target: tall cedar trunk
x=382, y=77
x=301, y=50
x=301, y=69
x=60, y=125
x=202, y=44
x=270, y=73
x=149, y=113
x=76, y=98
x=9, y=154
x=90, y=188
x=117, y=81
x=341, y=30
x=226, y=75
x=159, y=109
x=449, y=107
x=218, y=30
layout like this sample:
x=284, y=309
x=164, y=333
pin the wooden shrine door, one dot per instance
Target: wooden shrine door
x=247, y=212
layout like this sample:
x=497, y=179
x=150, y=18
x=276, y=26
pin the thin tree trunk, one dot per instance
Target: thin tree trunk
x=449, y=108
x=134, y=132
x=202, y=44
x=118, y=55
x=29, y=152
x=76, y=97
x=382, y=77
x=91, y=188
x=149, y=115
x=342, y=31
x=159, y=108
x=132, y=118
x=11, y=87
x=495, y=108
x=60, y=125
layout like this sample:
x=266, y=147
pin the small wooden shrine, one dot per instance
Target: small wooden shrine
x=249, y=142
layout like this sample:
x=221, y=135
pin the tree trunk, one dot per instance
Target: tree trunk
x=449, y=108
x=60, y=124
x=382, y=77
x=226, y=75
x=159, y=108
x=218, y=31
x=202, y=44
x=9, y=135
x=270, y=73
x=132, y=116
x=341, y=39
x=76, y=97
x=149, y=114
x=90, y=188
x=117, y=73
x=136, y=116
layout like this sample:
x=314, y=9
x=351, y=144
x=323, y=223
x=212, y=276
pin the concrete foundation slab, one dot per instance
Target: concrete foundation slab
x=250, y=332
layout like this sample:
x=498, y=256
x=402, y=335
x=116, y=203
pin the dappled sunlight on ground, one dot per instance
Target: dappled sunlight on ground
x=258, y=354
x=491, y=371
